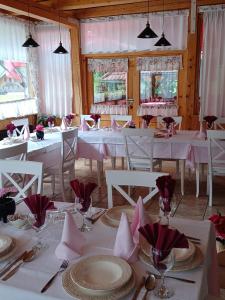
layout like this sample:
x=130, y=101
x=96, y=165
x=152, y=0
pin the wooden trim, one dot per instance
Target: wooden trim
x=37, y=11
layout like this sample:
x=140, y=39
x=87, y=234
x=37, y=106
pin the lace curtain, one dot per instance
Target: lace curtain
x=159, y=63
x=212, y=75
x=108, y=65
x=13, y=33
x=55, y=71
x=119, y=34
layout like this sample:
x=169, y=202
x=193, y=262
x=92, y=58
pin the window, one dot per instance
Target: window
x=158, y=86
x=13, y=81
x=109, y=86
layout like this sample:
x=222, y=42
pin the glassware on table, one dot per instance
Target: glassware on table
x=162, y=261
x=85, y=211
x=164, y=213
x=32, y=219
x=51, y=126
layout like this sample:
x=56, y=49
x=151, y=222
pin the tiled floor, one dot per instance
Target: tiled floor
x=187, y=206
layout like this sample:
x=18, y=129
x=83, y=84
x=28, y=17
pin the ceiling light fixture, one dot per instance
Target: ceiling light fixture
x=147, y=33
x=163, y=41
x=60, y=49
x=30, y=42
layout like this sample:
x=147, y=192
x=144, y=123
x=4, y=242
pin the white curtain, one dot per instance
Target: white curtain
x=55, y=71
x=212, y=79
x=13, y=33
x=119, y=34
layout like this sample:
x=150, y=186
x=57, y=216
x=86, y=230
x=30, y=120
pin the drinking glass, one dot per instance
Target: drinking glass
x=51, y=125
x=164, y=214
x=163, y=261
x=85, y=211
x=31, y=218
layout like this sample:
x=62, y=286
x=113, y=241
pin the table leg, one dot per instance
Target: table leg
x=182, y=175
x=197, y=178
x=99, y=171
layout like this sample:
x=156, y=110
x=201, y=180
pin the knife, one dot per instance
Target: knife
x=17, y=265
x=6, y=268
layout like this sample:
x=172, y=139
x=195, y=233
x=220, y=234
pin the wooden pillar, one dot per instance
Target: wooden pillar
x=77, y=104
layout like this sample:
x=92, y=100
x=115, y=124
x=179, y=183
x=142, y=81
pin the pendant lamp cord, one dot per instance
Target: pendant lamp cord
x=28, y=11
x=163, y=17
x=59, y=22
x=148, y=11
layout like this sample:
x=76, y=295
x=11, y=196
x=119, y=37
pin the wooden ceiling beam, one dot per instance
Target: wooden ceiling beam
x=83, y=4
x=37, y=11
x=134, y=8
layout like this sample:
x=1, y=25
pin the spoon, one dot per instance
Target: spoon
x=150, y=284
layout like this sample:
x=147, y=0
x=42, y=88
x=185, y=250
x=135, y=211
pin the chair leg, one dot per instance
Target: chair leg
x=177, y=168
x=197, y=179
x=99, y=172
x=90, y=164
x=62, y=188
x=113, y=162
x=182, y=175
x=53, y=184
x=210, y=190
x=122, y=162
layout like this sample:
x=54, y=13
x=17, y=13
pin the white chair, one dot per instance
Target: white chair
x=220, y=123
x=21, y=122
x=121, y=119
x=178, y=124
x=31, y=169
x=139, y=144
x=216, y=157
x=89, y=119
x=177, y=119
x=66, y=164
x=18, y=151
x=120, y=178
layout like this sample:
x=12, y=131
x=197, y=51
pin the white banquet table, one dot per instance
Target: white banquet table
x=28, y=281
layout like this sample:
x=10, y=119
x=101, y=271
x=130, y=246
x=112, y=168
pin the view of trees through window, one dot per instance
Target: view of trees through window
x=109, y=86
x=158, y=86
x=13, y=80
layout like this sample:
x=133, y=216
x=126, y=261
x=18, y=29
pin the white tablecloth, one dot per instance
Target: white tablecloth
x=28, y=281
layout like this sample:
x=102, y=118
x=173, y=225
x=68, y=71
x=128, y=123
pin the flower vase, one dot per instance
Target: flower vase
x=40, y=135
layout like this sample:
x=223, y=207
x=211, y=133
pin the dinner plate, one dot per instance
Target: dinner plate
x=10, y=252
x=6, y=243
x=186, y=265
x=181, y=254
x=114, y=213
x=74, y=291
x=100, y=274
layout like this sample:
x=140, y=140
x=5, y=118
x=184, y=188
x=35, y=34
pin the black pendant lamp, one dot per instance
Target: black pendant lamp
x=163, y=42
x=147, y=33
x=30, y=42
x=60, y=49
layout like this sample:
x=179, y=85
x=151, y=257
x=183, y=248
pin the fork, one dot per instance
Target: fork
x=62, y=268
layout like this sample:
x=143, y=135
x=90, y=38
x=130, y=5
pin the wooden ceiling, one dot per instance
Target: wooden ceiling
x=93, y=8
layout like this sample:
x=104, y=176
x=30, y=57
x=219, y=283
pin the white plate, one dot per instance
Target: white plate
x=73, y=290
x=5, y=244
x=100, y=274
x=114, y=214
x=186, y=265
x=11, y=251
x=181, y=254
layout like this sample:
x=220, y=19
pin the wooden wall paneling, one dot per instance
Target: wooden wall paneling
x=130, y=85
x=136, y=92
x=77, y=104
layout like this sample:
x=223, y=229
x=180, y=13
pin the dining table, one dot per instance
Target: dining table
x=28, y=281
x=188, y=146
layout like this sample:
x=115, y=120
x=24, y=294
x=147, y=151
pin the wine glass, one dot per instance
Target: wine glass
x=166, y=210
x=51, y=125
x=84, y=206
x=163, y=261
x=39, y=227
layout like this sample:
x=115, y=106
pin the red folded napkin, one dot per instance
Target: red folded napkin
x=38, y=205
x=83, y=192
x=163, y=239
x=168, y=121
x=210, y=120
x=95, y=117
x=147, y=119
x=166, y=186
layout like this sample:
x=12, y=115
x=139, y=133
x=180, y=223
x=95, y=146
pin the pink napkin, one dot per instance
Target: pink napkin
x=72, y=241
x=140, y=219
x=63, y=124
x=124, y=245
x=26, y=134
x=84, y=126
